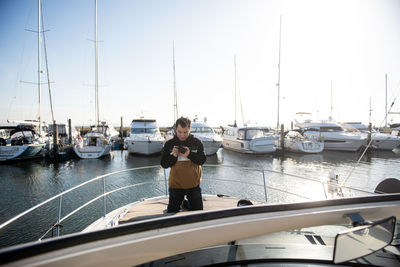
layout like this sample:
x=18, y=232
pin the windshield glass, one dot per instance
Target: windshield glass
x=143, y=130
x=255, y=133
x=201, y=130
x=22, y=134
x=331, y=129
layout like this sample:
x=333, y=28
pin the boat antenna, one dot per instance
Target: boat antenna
x=279, y=71
x=241, y=107
x=47, y=70
x=175, y=91
x=234, y=63
x=240, y=99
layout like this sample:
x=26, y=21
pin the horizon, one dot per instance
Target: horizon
x=343, y=47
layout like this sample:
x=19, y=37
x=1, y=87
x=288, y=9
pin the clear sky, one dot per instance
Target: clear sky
x=349, y=43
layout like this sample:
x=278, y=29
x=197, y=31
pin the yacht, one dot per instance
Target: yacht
x=249, y=140
x=211, y=141
x=333, y=134
x=351, y=227
x=96, y=143
x=296, y=142
x=144, y=137
x=20, y=141
x=380, y=141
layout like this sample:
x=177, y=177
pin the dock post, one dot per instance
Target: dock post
x=69, y=132
x=282, y=138
x=121, y=132
x=369, y=133
x=55, y=140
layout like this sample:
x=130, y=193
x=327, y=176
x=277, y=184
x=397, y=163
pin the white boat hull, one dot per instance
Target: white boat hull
x=92, y=152
x=20, y=152
x=211, y=147
x=144, y=147
x=385, y=141
x=343, y=145
x=255, y=146
x=339, y=141
x=307, y=146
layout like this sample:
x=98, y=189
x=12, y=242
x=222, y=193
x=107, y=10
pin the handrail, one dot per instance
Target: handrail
x=104, y=194
x=69, y=190
x=289, y=174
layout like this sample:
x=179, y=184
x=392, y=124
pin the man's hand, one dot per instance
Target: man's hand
x=175, y=151
x=186, y=154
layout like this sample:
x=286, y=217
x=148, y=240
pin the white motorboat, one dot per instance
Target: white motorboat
x=333, y=135
x=96, y=143
x=250, y=140
x=296, y=142
x=380, y=141
x=144, y=137
x=211, y=141
x=20, y=141
x=353, y=228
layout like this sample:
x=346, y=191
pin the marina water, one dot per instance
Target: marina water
x=26, y=184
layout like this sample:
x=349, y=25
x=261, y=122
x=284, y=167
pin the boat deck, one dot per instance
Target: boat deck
x=149, y=209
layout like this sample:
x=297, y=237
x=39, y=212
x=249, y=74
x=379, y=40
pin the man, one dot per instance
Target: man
x=184, y=153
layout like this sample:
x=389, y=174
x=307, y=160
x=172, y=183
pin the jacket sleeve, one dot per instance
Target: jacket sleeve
x=167, y=160
x=198, y=157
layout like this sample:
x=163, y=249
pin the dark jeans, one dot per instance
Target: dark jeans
x=176, y=197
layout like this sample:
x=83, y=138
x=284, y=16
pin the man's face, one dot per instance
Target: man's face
x=182, y=133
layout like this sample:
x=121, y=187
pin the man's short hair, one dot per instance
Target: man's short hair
x=183, y=122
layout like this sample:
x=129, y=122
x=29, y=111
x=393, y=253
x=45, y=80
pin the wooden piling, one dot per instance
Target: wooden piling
x=121, y=132
x=69, y=131
x=369, y=133
x=282, y=138
x=55, y=140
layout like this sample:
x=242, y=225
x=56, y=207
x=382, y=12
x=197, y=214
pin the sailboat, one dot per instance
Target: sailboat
x=24, y=140
x=99, y=140
x=249, y=140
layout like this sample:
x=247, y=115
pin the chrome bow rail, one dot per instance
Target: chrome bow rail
x=106, y=193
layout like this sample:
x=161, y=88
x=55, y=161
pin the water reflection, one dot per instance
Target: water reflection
x=26, y=184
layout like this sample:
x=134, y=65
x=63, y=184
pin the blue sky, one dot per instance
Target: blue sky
x=352, y=44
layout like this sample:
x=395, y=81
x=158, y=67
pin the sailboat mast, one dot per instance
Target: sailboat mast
x=279, y=71
x=331, y=104
x=96, y=79
x=234, y=62
x=370, y=111
x=39, y=71
x=175, y=92
x=386, y=107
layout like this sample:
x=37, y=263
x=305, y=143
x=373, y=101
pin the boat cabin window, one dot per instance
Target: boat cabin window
x=22, y=134
x=255, y=133
x=229, y=132
x=201, y=130
x=331, y=129
x=143, y=130
x=241, y=134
